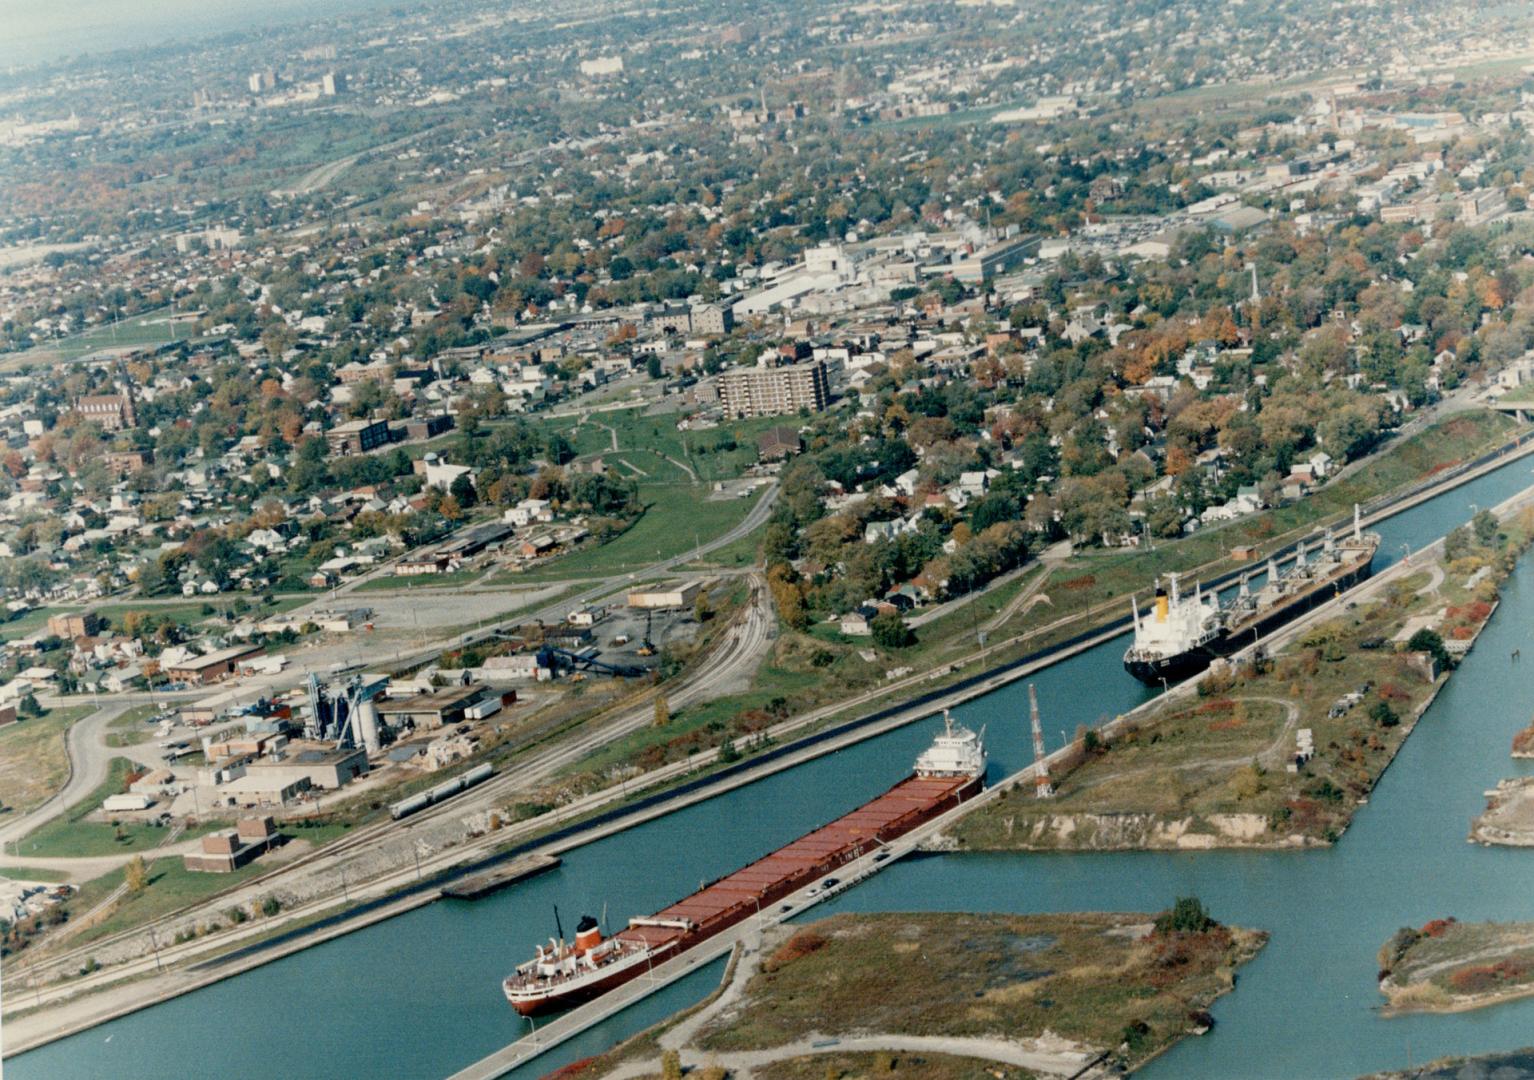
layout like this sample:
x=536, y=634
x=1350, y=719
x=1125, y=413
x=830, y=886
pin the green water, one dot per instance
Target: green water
x=418, y=996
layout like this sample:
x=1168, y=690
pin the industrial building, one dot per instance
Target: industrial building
x=321, y=766
x=680, y=595
x=227, y=851
x=425, y=712
x=212, y=667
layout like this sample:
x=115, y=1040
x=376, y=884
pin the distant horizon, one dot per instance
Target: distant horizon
x=40, y=31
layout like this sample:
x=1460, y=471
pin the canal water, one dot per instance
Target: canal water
x=418, y=995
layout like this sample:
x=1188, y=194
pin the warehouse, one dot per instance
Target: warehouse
x=212, y=667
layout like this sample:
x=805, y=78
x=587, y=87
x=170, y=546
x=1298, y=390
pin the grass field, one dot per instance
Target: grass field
x=649, y=440
x=32, y=873
x=33, y=761
x=736, y=555
x=676, y=518
x=150, y=328
x=1098, y=980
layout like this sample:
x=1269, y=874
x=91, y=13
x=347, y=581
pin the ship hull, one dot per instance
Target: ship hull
x=569, y=997
x=1184, y=665
x=726, y=903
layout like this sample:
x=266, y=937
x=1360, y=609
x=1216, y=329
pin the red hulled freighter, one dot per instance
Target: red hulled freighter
x=948, y=773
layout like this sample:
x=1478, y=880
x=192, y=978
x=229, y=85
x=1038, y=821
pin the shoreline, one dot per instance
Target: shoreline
x=1459, y=1003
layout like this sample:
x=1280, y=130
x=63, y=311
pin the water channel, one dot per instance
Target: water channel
x=418, y=996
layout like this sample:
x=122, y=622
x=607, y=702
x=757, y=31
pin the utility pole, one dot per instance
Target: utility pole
x=155, y=944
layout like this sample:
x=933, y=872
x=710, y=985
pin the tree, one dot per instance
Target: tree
x=29, y=706
x=662, y=711
x=559, y=449
x=1429, y=641
x=136, y=874
x=654, y=368
x=1186, y=916
x=703, y=607
x=671, y=1065
x=1458, y=543
x=890, y=631
x=1485, y=527
x=1383, y=715
x=462, y=489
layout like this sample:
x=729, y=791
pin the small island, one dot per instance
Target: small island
x=1450, y=966
x=950, y=996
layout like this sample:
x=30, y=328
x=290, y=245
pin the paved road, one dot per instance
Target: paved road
x=90, y=760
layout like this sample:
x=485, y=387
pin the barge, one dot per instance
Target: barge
x=561, y=975
x=1182, y=635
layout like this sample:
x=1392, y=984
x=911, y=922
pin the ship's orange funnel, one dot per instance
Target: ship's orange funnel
x=588, y=935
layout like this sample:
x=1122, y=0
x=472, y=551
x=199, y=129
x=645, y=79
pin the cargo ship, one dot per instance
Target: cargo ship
x=561, y=975
x=1182, y=635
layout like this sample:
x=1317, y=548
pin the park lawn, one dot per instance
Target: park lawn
x=676, y=518
x=1097, y=979
x=34, y=764
x=705, y=451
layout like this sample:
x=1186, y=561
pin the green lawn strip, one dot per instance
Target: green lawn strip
x=736, y=555
x=396, y=583
x=32, y=873
x=26, y=624
x=171, y=886
x=73, y=836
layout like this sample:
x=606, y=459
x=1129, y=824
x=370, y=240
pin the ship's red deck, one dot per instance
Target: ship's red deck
x=895, y=812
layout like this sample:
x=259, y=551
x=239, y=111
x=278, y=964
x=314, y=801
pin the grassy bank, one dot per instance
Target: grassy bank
x=1449, y=966
x=34, y=764
x=676, y=518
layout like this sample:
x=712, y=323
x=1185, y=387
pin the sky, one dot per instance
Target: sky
x=33, y=31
